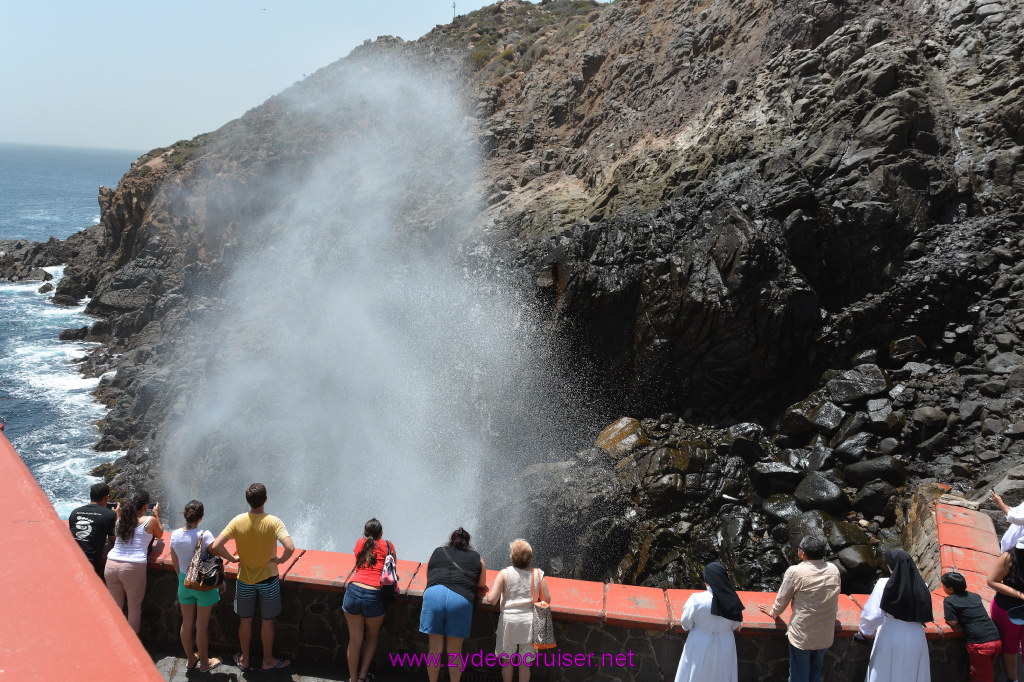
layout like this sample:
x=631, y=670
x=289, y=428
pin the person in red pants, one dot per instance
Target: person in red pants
x=965, y=609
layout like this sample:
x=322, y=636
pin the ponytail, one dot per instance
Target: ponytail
x=367, y=556
x=128, y=517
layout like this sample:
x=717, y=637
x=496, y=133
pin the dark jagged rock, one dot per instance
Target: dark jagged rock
x=781, y=507
x=886, y=468
x=861, y=382
x=816, y=209
x=816, y=491
x=876, y=498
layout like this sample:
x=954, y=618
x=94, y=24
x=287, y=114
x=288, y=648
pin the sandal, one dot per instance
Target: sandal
x=214, y=662
x=238, y=662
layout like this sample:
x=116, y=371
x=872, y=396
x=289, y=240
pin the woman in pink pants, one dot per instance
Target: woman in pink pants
x=126, y=563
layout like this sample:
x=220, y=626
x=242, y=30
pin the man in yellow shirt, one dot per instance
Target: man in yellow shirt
x=256, y=535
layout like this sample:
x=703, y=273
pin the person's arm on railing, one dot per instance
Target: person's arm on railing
x=494, y=595
x=218, y=548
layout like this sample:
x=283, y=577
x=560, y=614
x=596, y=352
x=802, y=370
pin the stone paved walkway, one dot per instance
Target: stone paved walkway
x=171, y=665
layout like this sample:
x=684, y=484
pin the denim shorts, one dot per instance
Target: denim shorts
x=445, y=613
x=362, y=601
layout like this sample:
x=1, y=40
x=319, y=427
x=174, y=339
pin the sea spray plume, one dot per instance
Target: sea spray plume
x=353, y=363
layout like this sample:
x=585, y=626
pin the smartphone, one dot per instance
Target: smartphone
x=151, y=506
x=111, y=505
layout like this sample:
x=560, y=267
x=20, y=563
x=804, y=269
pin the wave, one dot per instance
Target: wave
x=48, y=405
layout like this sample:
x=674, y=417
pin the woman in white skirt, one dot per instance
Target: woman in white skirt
x=513, y=589
x=710, y=617
x=895, y=614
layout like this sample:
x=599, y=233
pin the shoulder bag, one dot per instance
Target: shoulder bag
x=389, y=576
x=543, y=631
x=204, y=574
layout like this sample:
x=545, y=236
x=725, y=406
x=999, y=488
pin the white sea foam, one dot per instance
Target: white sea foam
x=52, y=425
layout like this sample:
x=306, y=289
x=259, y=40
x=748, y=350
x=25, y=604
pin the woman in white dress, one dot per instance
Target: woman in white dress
x=895, y=614
x=710, y=617
x=514, y=588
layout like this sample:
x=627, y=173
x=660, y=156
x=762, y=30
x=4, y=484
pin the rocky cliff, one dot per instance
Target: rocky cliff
x=786, y=237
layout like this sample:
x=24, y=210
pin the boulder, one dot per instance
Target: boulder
x=815, y=522
x=775, y=477
x=74, y=334
x=781, y=507
x=929, y=417
x=843, y=534
x=799, y=417
x=970, y=410
x=860, y=561
x=816, y=491
x=622, y=437
x=863, y=381
x=875, y=498
x=854, y=448
x=827, y=417
x=907, y=348
x=886, y=468
x=746, y=441
x=1004, y=363
x=850, y=426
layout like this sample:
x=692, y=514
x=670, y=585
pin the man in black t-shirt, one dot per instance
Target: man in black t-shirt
x=966, y=609
x=93, y=525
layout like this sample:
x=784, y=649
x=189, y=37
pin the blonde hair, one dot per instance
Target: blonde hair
x=520, y=552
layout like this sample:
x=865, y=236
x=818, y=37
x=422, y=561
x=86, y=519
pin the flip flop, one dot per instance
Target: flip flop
x=192, y=665
x=238, y=662
x=281, y=664
x=214, y=662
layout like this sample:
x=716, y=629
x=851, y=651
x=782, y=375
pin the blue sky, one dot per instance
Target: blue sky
x=139, y=74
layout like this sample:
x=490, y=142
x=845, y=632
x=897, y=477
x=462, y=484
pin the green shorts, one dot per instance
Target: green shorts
x=188, y=596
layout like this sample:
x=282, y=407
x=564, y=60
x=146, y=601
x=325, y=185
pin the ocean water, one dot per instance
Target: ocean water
x=45, y=404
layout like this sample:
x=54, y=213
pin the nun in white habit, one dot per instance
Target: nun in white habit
x=710, y=617
x=895, y=614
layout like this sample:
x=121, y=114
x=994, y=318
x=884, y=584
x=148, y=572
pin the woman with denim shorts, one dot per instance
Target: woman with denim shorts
x=364, y=605
x=196, y=605
x=1007, y=580
x=455, y=574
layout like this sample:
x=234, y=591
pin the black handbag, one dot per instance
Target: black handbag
x=204, y=574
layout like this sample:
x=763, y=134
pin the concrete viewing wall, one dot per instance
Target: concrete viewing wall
x=57, y=620
x=604, y=631
x=636, y=628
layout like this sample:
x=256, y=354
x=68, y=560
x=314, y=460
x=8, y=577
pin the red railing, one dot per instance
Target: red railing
x=58, y=621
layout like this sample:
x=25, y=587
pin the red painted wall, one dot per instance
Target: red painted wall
x=58, y=621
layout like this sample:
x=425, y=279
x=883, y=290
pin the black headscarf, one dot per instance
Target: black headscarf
x=906, y=596
x=724, y=600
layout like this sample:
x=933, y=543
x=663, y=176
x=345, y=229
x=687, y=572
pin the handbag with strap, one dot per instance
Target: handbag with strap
x=204, y=574
x=543, y=631
x=476, y=593
x=389, y=576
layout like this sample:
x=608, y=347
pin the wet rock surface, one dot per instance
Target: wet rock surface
x=794, y=233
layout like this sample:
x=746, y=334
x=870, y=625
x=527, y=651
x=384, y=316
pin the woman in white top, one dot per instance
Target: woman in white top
x=710, y=617
x=125, y=572
x=513, y=588
x=196, y=605
x=895, y=613
x=1014, y=517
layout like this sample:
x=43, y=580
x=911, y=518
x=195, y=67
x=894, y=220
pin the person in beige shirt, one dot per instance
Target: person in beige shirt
x=813, y=588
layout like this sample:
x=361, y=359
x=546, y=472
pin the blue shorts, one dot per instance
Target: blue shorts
x=361, y=601
x=445, y=613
